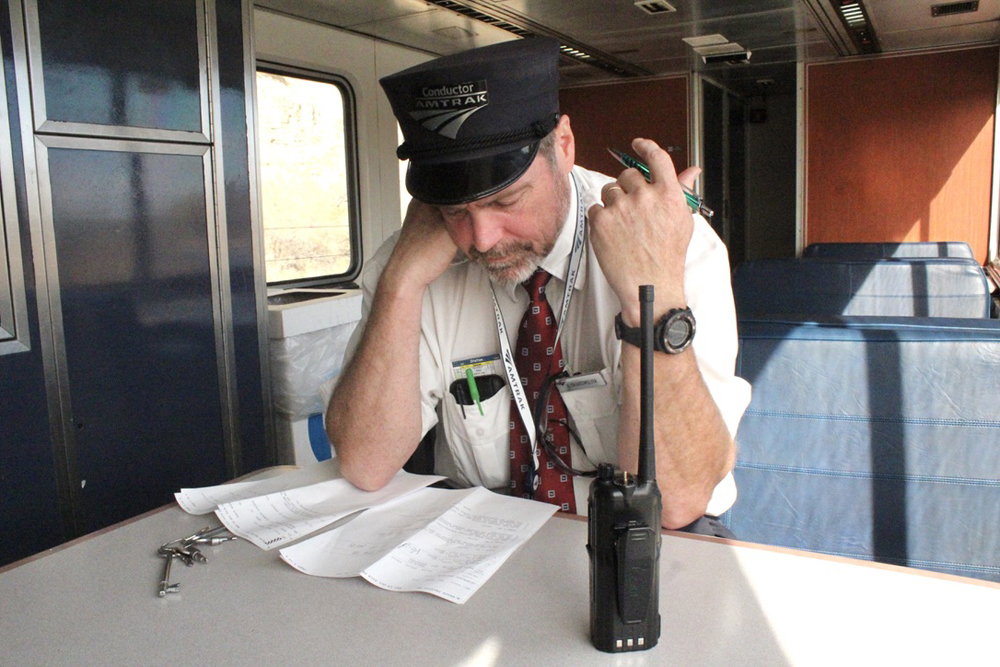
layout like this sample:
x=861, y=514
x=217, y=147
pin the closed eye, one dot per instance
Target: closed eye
x=453, y=213
x=506, y=203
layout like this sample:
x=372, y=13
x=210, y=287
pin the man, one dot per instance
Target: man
x=497, y=196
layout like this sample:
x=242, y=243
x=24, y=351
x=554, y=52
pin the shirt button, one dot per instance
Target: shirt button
x=480, y=431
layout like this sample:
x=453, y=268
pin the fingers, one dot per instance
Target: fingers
x=629, y=181
x=663, y=177
x=661, y=167
x=594, y=212
x=611, y=192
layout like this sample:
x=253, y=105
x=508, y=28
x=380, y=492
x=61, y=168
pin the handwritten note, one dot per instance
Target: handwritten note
x=446, y=543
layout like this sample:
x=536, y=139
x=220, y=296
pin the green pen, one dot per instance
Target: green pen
x=473, y=389
x=696, y=203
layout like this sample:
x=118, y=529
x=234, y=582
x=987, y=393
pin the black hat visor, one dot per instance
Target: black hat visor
x=445, y=183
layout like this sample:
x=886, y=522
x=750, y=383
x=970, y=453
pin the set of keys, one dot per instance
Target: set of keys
x=187, y=551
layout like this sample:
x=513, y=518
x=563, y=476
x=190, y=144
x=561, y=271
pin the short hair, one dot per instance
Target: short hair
x=547, y=147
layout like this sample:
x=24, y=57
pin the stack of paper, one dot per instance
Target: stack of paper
x=443, y=542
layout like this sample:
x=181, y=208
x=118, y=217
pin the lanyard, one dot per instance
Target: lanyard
x=513, y=380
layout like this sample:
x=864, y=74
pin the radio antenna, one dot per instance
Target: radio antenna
x=647, y=447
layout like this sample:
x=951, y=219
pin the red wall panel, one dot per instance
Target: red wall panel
x=612, y=115
x=901, y=148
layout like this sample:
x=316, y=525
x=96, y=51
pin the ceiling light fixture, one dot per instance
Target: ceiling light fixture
x=858, y=23
x=655, y=7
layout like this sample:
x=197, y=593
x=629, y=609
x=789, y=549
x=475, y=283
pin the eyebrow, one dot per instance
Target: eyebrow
x=492, y=199
x=511, y=192
x=452, y=209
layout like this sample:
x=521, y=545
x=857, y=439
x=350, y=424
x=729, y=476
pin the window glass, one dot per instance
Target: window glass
x=308, y=200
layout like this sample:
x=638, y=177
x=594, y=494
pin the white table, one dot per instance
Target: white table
x=94, y=602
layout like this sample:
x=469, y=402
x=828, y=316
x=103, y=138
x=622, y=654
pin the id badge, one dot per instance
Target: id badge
x=581, y=381
x=485, y=365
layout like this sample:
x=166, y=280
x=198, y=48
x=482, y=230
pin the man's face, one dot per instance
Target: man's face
x=509, y=233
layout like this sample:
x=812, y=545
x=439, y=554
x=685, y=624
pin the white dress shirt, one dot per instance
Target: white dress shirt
x=458, y=324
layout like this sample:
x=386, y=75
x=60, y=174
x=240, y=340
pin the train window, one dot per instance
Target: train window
x=308, y=175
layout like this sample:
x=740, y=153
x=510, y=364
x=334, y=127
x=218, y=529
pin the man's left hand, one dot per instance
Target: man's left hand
x=642, y=231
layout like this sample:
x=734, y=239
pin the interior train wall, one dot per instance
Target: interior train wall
x=142, y=372
x=901, y=148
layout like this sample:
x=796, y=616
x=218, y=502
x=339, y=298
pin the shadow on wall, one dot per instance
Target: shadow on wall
x=901, y=149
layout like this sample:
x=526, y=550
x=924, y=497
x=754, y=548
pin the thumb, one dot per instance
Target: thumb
x=689, y=176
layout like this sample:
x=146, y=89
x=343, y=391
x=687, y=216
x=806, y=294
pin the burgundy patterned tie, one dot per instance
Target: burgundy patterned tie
x=536, y=360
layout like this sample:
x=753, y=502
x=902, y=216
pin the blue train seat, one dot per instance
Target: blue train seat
x=925, y=249
x=883, y=287
x=872, y=438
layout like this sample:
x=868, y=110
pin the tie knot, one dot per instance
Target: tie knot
x=536, y=284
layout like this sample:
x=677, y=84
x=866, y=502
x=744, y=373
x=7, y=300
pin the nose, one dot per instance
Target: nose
x=486, y=230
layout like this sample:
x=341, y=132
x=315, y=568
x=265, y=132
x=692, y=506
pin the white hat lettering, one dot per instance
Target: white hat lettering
x=443, y=109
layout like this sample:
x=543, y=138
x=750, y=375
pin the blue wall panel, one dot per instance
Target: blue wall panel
x=30, y=517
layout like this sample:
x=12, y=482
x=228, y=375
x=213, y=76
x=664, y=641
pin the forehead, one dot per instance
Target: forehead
x=534, y=177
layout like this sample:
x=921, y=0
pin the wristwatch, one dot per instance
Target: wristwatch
x=672, y=334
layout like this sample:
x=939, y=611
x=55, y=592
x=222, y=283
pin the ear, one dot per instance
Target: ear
x=565, y=144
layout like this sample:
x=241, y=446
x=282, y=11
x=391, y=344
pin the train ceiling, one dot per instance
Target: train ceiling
x=740, y=43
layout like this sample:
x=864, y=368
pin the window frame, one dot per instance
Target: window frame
x=351, y=170
x=14, y=335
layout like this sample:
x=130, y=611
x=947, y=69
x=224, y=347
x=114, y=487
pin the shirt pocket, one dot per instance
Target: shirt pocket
x=594, y=412
x=480, y=443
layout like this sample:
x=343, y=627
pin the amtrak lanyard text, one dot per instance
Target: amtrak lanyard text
x=513, y=379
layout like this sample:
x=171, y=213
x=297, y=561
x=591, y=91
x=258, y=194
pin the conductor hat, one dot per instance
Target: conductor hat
x=472, y=121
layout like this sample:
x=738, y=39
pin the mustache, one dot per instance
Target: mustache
x=499, y=252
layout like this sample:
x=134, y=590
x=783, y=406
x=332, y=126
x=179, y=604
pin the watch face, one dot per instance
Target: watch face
x=677, y=332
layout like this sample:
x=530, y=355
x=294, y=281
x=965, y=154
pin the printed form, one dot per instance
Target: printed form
x=208, y=498
x=278, y=518
x=443, y=542
x=409, y=538
x=279, y=510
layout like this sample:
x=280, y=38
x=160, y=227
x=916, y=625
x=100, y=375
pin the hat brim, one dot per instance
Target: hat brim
x=463, y=181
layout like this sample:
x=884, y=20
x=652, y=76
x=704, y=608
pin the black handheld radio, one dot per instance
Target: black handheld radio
x=624, y=530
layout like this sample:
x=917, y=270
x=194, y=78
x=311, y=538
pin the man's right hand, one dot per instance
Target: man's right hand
x=424, y=250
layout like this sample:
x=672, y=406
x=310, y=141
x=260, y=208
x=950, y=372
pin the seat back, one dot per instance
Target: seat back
x=873, y=438
x=889, y=250
x=885, y=287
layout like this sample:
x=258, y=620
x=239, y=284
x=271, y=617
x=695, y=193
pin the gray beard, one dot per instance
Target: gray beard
x=530, y=260
x=509, y=274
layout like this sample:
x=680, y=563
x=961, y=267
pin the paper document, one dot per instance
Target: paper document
x=447, y=543
x=278, y=518
x=207, y=499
